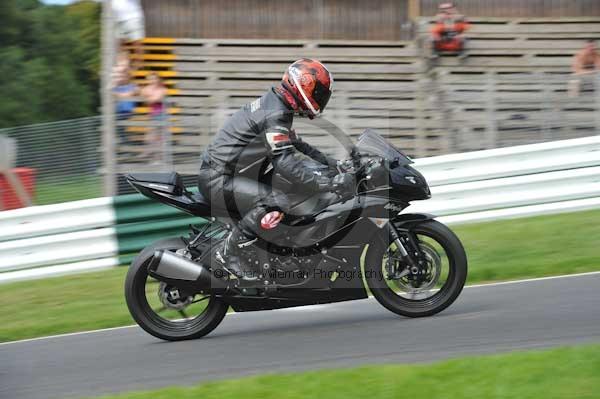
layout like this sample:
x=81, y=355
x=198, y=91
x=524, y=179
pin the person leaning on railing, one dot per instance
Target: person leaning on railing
x=154, y=94
x=585, y=63
x=124, y=92
x=447, y=34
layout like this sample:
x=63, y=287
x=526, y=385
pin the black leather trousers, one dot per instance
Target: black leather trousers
x=248, y=198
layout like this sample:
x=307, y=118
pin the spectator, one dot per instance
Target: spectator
x=124, y=92
x=122, y=67
x=447, y=34
x=154, y=94
x=586, y=62
x=129, y=18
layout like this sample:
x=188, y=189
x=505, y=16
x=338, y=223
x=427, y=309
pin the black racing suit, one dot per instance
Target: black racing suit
x=252, y=139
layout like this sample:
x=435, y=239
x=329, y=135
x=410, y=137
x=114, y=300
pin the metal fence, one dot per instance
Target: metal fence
x=492, y=110
x=65, y=157
x=146, y=142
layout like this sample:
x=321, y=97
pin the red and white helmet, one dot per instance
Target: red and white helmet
x=310, y=83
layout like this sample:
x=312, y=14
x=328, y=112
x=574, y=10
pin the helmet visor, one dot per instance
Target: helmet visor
x=321, y=95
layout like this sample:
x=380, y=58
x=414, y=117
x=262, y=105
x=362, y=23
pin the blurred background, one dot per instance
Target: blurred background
x=174, y=70
x=498, y=102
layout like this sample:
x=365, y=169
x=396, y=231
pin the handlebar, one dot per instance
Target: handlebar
x=355, y=156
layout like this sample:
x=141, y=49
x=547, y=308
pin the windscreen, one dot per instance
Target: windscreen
x=371, y=143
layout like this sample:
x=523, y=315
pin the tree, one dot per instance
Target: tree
x=9, y=28
x=19, y=83
x=50, y=61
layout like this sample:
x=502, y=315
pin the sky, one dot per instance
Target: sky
x=58, y=1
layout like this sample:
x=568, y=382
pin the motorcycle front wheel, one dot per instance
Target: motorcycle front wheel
x=442, y=278
x=163, y=311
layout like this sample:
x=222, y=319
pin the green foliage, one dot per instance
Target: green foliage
x=50, y=61
x=19, y=84
x=10, y=21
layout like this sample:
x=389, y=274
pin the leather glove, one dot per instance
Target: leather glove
x=342, y=184
x=344, y=165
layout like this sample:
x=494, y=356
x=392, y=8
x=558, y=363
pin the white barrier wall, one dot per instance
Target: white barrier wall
x=57, y=239
x=59, y=218
x=511, y=182
x=511, y=161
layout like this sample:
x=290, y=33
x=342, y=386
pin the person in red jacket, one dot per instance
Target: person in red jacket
x=447, y=33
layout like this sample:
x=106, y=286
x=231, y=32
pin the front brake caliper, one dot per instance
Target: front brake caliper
x=415, y=257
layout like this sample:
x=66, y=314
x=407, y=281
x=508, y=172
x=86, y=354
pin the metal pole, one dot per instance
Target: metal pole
x=108, y=106
x=419, y=119
x=492, y=129
x=596, y=87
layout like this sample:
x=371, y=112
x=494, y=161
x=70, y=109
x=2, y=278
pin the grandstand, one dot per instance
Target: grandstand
x=510, y=89
x=512, y=86
x=376, y=86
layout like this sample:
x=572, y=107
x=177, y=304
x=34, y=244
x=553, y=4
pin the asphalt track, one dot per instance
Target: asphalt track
x=485, y=319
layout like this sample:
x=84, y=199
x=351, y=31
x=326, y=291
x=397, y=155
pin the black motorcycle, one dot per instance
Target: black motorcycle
x=327, y=248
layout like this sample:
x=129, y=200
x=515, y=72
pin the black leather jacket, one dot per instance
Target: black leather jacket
x=260, y=134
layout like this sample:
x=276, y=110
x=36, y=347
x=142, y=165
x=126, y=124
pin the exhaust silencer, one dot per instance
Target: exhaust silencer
x=180, y=271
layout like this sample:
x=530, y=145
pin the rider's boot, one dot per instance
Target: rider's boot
x=231, y=255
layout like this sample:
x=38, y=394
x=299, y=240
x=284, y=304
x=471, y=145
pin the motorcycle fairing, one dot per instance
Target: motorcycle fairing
x=327, y=224
x=351, y=246
x=347, y=287
x=153, y=185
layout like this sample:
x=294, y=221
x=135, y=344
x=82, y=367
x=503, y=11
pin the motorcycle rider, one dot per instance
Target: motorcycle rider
x=257, y=137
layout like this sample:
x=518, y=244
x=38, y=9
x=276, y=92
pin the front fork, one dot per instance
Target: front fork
x=414, y=261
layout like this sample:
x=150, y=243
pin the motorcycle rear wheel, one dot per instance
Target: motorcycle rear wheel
x=153, y=320
x=434, y=297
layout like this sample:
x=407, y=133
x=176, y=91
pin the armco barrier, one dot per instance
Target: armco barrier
x=510, y=192
x=511, y=161
x=53, y=219
x=509, y=182
x=83, y=235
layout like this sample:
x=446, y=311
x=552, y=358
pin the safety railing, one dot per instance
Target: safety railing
x=474, y=186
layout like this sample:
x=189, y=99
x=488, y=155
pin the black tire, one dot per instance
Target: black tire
x=146, y=318
x=447, y=294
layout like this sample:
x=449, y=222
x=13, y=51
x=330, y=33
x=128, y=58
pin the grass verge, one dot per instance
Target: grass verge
x=532, y=247
x=560, y=373
x=67, y=189
x=63, y=304
x=501, y=250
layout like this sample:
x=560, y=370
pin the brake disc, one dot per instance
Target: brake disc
x=171, y=297
x=432, y=272
x=434, y=265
